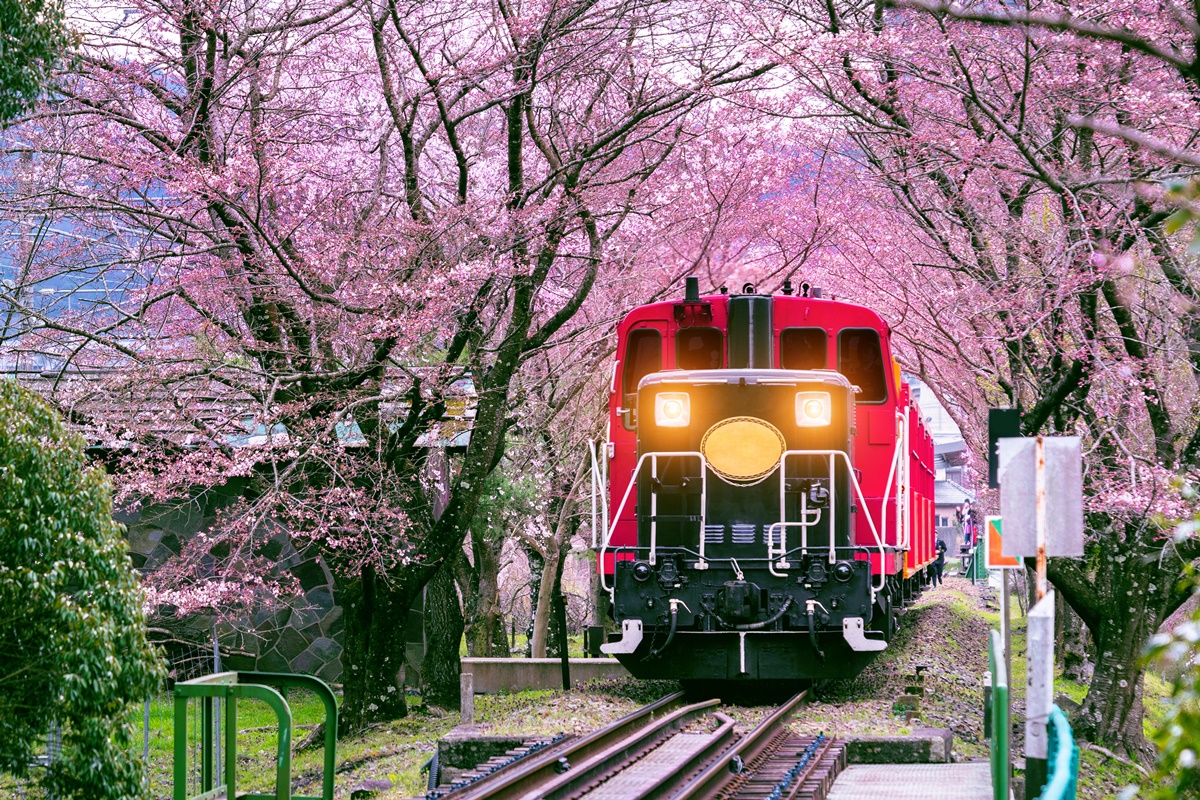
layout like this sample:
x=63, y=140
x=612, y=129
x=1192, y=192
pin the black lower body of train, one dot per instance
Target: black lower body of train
x=736, y=621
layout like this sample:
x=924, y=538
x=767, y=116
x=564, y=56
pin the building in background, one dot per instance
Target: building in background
x=953, y=491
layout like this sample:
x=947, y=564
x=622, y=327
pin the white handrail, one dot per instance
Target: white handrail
x=782, y=525
x=887, y=490
x=606, y=454
x=832, y=454
x=804, y=523
x=653, y=506
x=599, y=488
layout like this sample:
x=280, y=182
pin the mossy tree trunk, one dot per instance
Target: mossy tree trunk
x=376, y=611
x=443, y=636
x=1071, y=643
x=1122, y=593
x=480, y=587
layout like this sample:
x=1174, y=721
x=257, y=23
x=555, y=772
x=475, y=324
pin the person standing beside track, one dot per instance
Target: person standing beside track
x=940, y=563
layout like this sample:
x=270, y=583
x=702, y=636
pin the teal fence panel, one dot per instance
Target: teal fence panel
x=1062, y=758
x=979, y=571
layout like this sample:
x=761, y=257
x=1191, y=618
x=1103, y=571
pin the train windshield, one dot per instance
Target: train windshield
x=860, y=359
x=802, y=348
x=643, y=355
x=699, y=348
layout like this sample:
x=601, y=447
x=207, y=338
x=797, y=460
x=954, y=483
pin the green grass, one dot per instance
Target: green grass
x=395, y=751
x=258, y=740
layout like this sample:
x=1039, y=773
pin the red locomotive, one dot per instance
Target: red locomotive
x=770, y=486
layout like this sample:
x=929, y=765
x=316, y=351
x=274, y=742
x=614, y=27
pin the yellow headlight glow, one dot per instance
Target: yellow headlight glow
x=672, y=410
x=813, y=409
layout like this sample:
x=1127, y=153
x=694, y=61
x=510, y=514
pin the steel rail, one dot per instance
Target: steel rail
x=719, y=773
x=676, y=780
x=517, y=778
x=609, y=761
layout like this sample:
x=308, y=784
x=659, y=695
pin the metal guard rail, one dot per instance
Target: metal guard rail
x=1063, y=753
x=1062, y=763
x=231, y=686
x=653, y=457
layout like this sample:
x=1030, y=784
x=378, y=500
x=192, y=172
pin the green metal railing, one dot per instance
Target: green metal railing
x=998, y=721
x=230, y=687
x=1062, y=757
x=978, y=571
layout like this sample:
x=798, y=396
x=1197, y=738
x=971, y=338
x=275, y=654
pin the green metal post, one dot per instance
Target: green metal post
x=283, y=715
x=260, y=686
x=207, y=766
x=180, y=780
x=230, y=746
x=1000, y=725
x=322, y=690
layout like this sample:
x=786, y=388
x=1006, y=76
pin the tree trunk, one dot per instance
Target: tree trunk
x=537, y=571
x=558, y=601
x=542, y=615
x=1072, y=636
x=486, y=636
x=1122, y=593
x=444, y=630
x=1112, y=711
x=373, y=654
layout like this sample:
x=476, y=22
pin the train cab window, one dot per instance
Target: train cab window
x=699, y=348
x=643, y=355
x=860, y=359
x=802, y=348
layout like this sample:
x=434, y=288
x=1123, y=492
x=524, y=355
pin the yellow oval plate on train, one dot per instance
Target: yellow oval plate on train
x=743, y=449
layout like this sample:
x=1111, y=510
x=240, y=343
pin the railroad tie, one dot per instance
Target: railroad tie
x=800, y=768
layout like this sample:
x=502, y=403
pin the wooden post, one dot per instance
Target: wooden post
x=1040, y=518
x=466, y=682
x=1039, y=692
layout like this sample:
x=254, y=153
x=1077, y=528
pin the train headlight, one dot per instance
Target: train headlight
x=813, y=409
x=672, y=410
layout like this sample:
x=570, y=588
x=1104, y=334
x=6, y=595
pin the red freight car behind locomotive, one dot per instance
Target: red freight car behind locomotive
x=770, y=484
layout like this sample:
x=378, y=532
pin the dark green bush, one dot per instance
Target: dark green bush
x=73, y=643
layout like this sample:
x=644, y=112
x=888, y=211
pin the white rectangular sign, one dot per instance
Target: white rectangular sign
x=1064, y=495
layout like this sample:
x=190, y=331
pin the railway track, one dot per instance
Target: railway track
x=518, y=777
x=672, y=751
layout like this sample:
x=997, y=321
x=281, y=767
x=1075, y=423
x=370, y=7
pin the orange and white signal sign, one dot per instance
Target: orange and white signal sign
x=995, y=560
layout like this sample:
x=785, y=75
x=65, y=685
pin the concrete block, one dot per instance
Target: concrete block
x=466, y=698
x=372, y=787
x=905, y=702
x=923, y=746
x=494, y=675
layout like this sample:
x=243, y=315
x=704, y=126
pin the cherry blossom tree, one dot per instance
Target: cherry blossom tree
x=1030, y=267
x=289, y=232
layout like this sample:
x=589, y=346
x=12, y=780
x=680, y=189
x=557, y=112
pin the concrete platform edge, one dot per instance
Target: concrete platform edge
x=494, y=675
x=922, y=746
